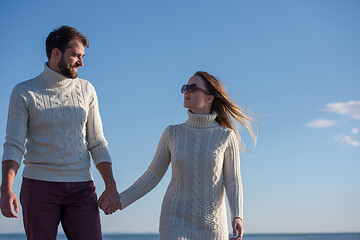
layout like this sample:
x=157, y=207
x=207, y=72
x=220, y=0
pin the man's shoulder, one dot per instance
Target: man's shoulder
x=86, y=86
x=28, y=84
x=84, y=82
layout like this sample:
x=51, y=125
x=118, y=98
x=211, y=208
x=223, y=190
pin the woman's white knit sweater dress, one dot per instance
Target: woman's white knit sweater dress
x=205, y=160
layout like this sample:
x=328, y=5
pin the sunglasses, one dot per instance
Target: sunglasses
x=192, y=88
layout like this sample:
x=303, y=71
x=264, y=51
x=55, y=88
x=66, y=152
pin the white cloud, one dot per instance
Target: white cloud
x=350, y=109
x=347, y=140
x=321, y=123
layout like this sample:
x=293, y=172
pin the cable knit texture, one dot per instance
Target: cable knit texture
x=205, y=160
x=59, y=117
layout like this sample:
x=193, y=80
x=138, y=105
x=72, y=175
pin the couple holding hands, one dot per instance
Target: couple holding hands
x=57, y=115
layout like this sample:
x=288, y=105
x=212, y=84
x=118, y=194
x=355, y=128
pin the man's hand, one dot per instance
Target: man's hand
x=7, y=200
x=238, y=229
x=109, y=201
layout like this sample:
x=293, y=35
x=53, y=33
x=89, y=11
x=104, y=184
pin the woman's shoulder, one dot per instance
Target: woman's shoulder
x=227, y=135
x=173, y=127
x=225, y=129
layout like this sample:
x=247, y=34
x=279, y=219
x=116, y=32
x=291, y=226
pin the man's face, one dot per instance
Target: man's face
x=72, y=59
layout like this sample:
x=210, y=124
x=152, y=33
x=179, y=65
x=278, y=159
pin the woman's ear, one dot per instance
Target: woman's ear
x=210, y=98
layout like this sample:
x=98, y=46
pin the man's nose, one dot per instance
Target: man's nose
x=80, y=61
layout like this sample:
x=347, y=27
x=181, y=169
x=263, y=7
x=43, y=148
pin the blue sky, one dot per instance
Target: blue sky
x=296, y=63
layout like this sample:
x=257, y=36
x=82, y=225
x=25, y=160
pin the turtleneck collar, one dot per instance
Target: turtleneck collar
x=201, y=120
x=54, y=79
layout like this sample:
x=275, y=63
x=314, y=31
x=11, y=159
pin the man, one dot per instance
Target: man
x=57, y=113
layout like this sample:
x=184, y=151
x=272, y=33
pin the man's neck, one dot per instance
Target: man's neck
x=53, y=66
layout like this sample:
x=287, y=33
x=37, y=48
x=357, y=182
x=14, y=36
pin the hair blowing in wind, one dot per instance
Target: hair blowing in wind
x=226, y=109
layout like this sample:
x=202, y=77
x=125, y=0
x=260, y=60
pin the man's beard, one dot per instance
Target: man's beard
x=67, y=69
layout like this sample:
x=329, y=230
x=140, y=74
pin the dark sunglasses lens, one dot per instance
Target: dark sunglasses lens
x=192, y=87
x=183, y=88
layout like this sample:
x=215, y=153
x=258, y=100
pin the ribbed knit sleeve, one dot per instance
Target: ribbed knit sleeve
x=152, y=176
x=232, y=177
x=97, y=143
x=16, y=126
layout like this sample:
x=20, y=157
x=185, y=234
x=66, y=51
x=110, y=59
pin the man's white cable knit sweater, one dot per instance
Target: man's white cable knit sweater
x=205, y=160
x=59, y=117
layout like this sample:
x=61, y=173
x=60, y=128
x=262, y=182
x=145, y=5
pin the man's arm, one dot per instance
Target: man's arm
x=111, y=195
x=8, y=197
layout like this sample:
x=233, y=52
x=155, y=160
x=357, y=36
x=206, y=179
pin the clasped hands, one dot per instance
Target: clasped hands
x=109, y=201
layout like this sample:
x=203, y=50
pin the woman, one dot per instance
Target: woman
x=204, y=154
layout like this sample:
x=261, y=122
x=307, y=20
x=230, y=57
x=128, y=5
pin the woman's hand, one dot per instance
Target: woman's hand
x=238, y=230
x=105, y=205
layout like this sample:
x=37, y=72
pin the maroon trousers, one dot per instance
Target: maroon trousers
x=46, y=204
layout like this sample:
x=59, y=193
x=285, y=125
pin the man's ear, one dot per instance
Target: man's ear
x=56, y=54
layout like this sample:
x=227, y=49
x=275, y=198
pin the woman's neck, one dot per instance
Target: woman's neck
x=202, y=111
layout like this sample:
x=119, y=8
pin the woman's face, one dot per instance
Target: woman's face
x=198, y=101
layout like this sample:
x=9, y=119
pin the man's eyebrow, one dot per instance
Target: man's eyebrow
x=78, y=54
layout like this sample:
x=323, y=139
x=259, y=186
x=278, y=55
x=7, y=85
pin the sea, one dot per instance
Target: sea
x=318, y=236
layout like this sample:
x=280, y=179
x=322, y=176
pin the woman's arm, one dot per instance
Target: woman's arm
x=233, y=184
x=153, y=174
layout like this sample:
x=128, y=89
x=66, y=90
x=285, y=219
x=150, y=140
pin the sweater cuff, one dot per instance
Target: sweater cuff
x=12, y=153
x=236, y=205
x=236, y=213
x=125, y=200
x=100, y=154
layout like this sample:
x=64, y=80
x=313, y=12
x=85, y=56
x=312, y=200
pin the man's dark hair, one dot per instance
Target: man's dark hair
x=61, y=37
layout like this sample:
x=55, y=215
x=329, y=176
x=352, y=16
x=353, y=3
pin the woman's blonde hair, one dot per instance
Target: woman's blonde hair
x=226, y=108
